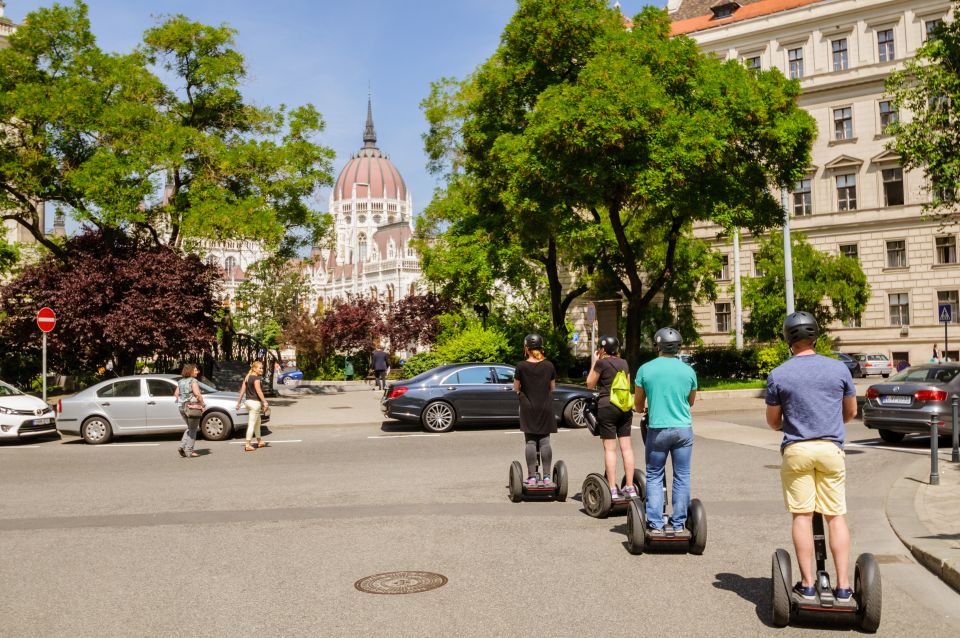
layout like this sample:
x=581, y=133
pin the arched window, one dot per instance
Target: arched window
x=391, y=250
x=362, y=248
x=229, y=264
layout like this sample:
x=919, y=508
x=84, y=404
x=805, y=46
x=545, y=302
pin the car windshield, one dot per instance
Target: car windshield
x=910, y=374
x=7, y=390
x=877, y=357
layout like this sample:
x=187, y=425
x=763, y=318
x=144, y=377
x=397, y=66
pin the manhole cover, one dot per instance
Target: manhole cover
x=400, y=582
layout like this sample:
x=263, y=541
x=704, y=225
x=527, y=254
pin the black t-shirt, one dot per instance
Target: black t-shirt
x=380, y=361
x=536, y=404
x=607, y=369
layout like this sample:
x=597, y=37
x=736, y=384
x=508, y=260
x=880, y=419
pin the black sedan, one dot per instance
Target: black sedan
x=455, y=393
x=904, y=403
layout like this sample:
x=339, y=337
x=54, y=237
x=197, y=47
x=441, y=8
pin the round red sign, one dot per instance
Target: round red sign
x=46, y=319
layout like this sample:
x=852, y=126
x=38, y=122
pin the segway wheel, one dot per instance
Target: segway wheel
x=561, y=479
x=697, y=524
x=596, y=496
x=636, y=527
x=516, y=482
x=867, y=589
x=780, y=584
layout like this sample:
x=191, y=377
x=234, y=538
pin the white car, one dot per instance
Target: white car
x=22, y=415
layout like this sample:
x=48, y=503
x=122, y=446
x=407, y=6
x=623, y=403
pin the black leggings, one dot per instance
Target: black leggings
x=538, y=443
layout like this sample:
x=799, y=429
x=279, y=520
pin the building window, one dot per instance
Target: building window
x=757, y=270
x=723, y=317
x=847, y=192
x=850, y=250
x=843, y=123
x=893, y=186
x=753, y=62
x=888, y=115
x=897, y=254
x=724, y=272
x=802, y=197
x=949, y=297
x=724, y=10
x=943, y=192
x=947, y=249
x=229, y=264
x=932, y=26
x=899, y=309
x=795, y=57
x=839, y=54
x=362, y=248
x=856, y=322
x=885, y=48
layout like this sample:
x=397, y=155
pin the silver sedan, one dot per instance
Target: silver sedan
x=144, y=404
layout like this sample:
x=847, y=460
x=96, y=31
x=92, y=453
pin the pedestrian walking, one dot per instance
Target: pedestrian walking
x=534, y=381
x=611, y=376
x=810, y=398
x=190, y=402
x=381, y=363
x=256, y=403
x=670, y=387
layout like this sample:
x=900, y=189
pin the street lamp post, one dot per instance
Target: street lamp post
x=787, y=251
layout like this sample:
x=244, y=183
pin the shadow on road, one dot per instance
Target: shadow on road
x=754, y=590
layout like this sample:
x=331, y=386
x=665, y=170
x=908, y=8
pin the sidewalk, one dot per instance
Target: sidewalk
x=927, y=518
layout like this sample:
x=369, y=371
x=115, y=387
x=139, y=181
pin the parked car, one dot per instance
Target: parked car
x=23, y=416
x=289, y=375
x=455, y=393
x=852, y=364
x=687, y=359
x=874, y=364
x=144, y=404
x=905, y=403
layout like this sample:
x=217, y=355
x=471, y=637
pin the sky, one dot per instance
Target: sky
x=330, y=53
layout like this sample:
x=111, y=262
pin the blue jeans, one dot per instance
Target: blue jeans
x=678, y=443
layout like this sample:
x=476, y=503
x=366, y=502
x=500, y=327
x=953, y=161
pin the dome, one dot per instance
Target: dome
x=370, y=167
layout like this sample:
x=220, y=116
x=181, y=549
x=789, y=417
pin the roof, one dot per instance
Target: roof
x=370, y=170
x=696, y=15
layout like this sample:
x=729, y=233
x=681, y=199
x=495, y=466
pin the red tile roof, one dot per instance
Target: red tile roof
x=753, y=10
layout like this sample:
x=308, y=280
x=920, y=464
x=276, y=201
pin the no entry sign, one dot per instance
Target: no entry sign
x=46, y=319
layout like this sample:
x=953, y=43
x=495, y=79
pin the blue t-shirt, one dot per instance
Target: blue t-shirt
x=810, y=391
x=667, y=382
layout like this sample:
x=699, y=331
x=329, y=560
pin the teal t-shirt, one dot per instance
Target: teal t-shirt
x=667, y=381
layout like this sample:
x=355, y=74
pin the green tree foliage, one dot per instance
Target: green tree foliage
x=275, y=289
x=177, y=160
x=928, y=88
x=832, y=287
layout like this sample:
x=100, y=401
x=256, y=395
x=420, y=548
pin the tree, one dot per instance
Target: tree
x=412, y=321
x=832, y=287
x=928, y=88
x=116, y=298
x=352, y=325
x=274, y=291
x=109, y=142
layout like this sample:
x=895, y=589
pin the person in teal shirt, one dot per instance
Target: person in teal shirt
x=669, y=386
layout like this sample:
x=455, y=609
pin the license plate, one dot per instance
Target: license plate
x=894, y=399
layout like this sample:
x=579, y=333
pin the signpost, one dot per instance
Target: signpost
x=46, y=320
x=945, y=312
x=591, y=316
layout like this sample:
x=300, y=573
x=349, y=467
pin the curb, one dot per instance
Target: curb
x=753, y=393
x=901, y=510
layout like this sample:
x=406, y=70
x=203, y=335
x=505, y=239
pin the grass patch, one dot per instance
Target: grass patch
x=713, y=383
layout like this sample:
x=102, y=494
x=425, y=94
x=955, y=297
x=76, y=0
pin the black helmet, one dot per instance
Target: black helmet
x=668, y=340
x=799, y=326
x=609, y=344
x=533, y=341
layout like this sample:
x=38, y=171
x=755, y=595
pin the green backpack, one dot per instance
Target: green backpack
x=620, y=394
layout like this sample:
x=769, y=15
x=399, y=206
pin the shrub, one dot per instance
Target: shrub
x=421, y=362
x=475, y=344
x=770, y=356
x=725, y=362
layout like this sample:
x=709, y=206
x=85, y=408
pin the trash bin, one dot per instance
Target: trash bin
x=348, y=369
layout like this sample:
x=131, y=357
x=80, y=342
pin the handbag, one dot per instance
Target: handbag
x=193, y=409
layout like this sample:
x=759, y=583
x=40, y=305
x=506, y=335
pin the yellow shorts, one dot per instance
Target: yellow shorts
x=813, y=475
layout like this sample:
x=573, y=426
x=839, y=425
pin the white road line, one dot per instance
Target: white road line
x=20, y=447
x=401, y=436
x=269, y=441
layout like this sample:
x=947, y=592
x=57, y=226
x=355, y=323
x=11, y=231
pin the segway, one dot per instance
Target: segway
x=693, y=538
x=597, y=501
x=863, y=608
x=556, y=489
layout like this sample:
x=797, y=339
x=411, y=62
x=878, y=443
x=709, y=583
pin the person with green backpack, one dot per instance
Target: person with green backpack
x=610, y=375
x=670, y=387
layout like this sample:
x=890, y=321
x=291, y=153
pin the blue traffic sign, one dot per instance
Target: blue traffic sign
x=576, y=337
x=945, y=312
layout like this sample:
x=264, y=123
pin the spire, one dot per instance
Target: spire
x=369, y=134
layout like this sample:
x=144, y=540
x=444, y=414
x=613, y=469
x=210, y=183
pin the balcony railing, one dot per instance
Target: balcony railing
x=392, y=265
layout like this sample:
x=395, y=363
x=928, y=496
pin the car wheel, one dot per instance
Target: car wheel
x=438, y=417
x=96, y=430
x=891, y=437
x=216, y=426
x=574, y=414
x=885, y=375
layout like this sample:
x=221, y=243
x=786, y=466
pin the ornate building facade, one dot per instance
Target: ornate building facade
x=855, y=199
x=373, y=225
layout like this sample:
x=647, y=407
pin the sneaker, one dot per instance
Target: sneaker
x=807, y=593
x=679, y=529
x=531, y=482
x=629, y=492
x=614, y=493
x=546, y=480
x=843, y=594
x=654, y=531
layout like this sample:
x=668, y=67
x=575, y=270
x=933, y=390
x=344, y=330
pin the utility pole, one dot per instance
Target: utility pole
x=787, y=251
x=737, y=291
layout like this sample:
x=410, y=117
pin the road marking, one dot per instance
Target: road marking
x=20, y=447
x=270, y=441
x=112, y=445
x=400, y=436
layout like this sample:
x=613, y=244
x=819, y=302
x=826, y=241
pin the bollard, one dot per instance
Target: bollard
x=934, y=451
x=955, y=455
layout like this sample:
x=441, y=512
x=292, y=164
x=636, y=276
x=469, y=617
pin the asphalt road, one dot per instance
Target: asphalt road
x=128, y=539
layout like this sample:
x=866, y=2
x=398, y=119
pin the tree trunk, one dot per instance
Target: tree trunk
x=634, y=333
x=557, y=314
